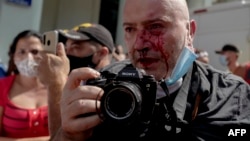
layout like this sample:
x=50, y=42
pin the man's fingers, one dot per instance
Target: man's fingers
x=80, y=124
x=81, y=107
x=60, y=51
x=93, y=93
x=77, y=75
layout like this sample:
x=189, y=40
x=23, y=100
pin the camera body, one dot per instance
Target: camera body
x=129, y=97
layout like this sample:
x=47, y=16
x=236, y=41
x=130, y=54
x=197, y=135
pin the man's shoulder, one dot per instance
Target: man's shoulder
x=208, y=70
x=219, y=77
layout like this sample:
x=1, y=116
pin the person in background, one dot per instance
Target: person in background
x=229, y=55
x=2, y=69
x=190, y=100
x=119, y=54
x=202, y=55
x=87, y=45
x=23, y=98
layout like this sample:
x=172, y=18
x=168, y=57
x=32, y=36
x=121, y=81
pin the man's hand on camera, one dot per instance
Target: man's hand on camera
x=78, y=105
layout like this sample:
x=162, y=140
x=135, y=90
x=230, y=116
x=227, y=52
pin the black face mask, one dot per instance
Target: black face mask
x=78, y=62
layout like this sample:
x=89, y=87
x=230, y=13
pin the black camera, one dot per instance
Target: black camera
x=129, y=96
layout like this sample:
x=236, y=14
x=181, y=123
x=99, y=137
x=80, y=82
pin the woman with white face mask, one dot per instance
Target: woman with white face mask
x=23, y=98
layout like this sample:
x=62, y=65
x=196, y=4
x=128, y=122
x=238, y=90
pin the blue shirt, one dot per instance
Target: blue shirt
x=2, y=71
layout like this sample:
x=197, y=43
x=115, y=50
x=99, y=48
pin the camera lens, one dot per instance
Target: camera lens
x=44, y=39
x=122, y=102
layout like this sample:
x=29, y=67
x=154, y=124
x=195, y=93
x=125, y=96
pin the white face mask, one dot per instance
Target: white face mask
x=27, y=67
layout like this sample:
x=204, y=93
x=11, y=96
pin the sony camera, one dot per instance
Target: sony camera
x=129, y=96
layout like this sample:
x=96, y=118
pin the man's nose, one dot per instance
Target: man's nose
x=67, y=50
x=70, y=49
x=141, y=42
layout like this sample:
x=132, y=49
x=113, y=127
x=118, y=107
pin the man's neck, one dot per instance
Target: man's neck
x=171, y=89
x=102, y=64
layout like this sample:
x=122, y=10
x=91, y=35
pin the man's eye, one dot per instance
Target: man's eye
x=129, y=29
x=154, y=26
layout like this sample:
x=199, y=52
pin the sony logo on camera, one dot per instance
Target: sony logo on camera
x=131, y=72
x=128, y=74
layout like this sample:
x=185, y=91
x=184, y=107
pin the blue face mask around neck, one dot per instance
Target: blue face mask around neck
x=184, y=61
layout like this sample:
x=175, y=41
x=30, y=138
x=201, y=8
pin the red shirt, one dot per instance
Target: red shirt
x=247, y=75
x=19, y=122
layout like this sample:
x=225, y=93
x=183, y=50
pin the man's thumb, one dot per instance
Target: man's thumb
x=60, y=50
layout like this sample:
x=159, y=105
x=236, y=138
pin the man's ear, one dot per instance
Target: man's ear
x=237, y=55
x=192, y=30
x=104, y=51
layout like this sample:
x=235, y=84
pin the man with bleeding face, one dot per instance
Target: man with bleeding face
x=156, y=36
x=199, y=102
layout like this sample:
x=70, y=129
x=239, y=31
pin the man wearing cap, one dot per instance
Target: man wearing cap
x=88, y=45
x=229, y=55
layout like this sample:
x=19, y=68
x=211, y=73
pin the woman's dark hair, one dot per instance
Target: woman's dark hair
x=24, y=34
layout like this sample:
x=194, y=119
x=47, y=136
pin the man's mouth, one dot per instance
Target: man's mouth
x=146, y=62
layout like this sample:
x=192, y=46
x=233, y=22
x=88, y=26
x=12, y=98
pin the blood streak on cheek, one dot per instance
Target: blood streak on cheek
x=158, y=45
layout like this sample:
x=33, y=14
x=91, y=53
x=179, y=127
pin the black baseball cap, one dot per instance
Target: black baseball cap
x=228, y=47
x=90, y=31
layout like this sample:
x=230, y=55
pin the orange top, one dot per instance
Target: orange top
x=19, y=122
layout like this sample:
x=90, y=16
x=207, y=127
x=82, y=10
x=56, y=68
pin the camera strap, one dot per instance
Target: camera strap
x=171, y=108
x=180, y=101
